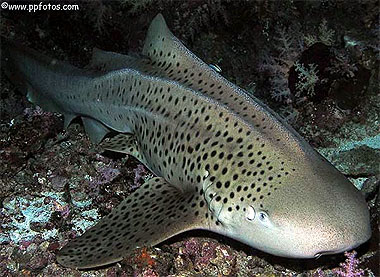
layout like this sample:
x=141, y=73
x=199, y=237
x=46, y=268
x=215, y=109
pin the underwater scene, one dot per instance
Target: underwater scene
x=189, y=138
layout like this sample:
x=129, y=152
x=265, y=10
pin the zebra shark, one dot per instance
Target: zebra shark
x=224, y=161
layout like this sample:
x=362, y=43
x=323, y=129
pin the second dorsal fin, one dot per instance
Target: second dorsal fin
x=105, y=61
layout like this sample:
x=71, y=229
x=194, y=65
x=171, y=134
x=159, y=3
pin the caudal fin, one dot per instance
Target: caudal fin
x=35, y=74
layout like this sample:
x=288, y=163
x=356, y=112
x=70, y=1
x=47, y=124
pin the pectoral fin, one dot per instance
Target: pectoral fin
x=67, y=119
x=94, y=129
x=123, y=143
x=148, y=216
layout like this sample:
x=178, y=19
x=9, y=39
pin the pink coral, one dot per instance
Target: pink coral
x=149, y=273
x=47, y=118
x=64, y=210
x=350, y=267
x=30, y=113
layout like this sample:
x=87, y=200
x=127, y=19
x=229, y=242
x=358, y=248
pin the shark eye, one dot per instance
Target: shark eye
x=263, y=217
x=250, y=213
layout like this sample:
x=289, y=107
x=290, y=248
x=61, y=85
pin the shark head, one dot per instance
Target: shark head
x=316, y=212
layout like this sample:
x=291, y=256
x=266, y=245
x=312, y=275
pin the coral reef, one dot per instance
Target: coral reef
x=314, y=62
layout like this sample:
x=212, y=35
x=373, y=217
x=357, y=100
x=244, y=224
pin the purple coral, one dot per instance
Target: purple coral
x=200, y=252
x=106, y=175
x=350, y=267
x=140, y=174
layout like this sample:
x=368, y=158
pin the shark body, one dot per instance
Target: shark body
x=226, y=162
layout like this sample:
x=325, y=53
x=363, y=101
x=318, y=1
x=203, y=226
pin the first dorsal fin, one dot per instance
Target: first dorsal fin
x=168, y=53
x=163, y=55
x=153, y=213
x=176, y=62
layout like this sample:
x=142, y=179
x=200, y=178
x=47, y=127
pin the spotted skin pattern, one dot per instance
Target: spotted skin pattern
x=130, y=225
x=225, y=161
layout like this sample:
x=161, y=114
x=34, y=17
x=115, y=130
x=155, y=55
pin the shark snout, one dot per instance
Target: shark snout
x=346, y=239
x=341, y=249
x=350, y=228
x=338, y=250
x=325, y=220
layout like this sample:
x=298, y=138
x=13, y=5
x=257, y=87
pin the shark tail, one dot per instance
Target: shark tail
x=45, y=80
x=35, y=74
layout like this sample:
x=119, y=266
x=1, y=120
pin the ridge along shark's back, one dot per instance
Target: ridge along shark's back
x=226, y=162
x=165, y=55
